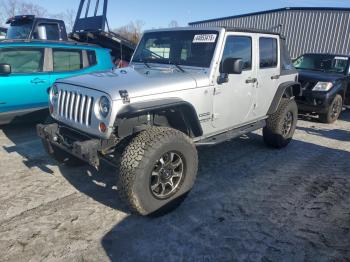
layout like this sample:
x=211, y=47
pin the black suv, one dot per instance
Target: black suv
x=325, y=80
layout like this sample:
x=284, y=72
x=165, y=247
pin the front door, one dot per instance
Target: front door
x=26, y=87
x=234, y=100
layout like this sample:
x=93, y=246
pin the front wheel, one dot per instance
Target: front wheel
x=157, y=170
x=280, y=126
x=333, y=112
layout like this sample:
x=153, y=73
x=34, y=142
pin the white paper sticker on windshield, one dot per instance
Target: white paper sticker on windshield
x=207, y=38
x=341, y=58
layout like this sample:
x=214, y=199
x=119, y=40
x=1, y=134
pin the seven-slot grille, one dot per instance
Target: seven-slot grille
x=75, y=107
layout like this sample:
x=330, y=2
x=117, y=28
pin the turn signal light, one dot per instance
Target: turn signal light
x=103, y=127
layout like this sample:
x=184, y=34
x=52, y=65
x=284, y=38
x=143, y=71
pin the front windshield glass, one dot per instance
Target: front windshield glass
x=19, y=30
x=186, y=48
x=322, y=62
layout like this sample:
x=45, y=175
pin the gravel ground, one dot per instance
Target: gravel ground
x=250, y=203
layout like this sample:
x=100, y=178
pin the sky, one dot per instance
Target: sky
x=159, y=13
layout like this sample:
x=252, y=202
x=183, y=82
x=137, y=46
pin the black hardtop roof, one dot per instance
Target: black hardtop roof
x=250, y=30
x=216, y=28
x=274, y=11
x=30, y=17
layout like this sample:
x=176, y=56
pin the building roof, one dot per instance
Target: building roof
x=274, y=11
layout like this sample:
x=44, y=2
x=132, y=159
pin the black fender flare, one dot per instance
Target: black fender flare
x=143, y=108
x=288, y=89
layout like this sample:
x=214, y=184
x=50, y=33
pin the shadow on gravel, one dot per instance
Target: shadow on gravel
x=331, y=131
x=344, y=116
x=25, y=140
x=337, y=134
x=250, y=203
x=99, y=185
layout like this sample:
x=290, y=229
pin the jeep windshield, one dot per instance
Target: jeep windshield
x=180, y=48
x=19, y=30
x=322, y=62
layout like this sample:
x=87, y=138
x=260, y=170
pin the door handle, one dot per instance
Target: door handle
x=275, y=77
x=38, y=81
x=251, y=80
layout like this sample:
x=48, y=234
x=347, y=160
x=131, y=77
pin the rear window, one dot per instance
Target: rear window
x=67, y=60
x=23, y=60
x=268, y=52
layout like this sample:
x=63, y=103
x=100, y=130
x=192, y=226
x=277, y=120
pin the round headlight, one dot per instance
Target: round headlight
x=104, y=106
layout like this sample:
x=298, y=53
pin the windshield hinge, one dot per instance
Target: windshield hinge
x=125, y=96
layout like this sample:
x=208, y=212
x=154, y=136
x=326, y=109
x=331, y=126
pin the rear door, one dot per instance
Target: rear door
x=68, y=62
x=26, y=87
x=268, y=72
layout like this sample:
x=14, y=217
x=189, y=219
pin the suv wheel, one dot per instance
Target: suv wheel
x=157, y=170
x=334, y=111
x=280, y=126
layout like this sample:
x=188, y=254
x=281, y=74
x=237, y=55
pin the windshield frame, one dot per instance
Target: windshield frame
x=324, y=57
x=169, y=63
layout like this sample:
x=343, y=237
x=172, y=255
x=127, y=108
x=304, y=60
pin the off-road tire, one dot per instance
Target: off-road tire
x=58, y=154
x=273, y=133
x=331, y=116
x=138, y=162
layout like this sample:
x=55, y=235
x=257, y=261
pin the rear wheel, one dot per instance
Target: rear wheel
x=280, y=126
x=157, y=170
x=334, y=111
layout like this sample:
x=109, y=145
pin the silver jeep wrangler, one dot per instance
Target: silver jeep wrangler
x=185, y=87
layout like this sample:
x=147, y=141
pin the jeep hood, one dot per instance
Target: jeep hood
x=139, y=82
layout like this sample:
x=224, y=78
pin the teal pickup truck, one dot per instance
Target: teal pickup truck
x=28, y=68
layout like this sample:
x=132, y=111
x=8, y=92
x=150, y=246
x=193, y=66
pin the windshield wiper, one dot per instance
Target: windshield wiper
x=179, y=67
x=146, y=63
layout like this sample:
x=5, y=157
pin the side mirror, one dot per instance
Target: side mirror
x=5, y=69
x=232, y=66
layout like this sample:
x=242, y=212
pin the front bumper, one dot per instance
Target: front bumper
x=315, y=102
x=77, y=144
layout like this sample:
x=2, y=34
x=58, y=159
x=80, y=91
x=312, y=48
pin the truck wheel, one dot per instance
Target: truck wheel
x=157, y=170
x=334, y=111
x=280, y=126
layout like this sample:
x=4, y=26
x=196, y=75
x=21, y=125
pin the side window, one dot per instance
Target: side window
x=239, y=47
x=268, y=52
x=23, y=60
x=65, y=60
x=92, y=60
